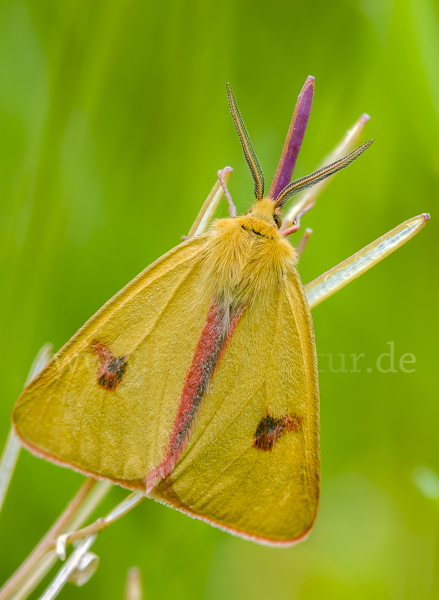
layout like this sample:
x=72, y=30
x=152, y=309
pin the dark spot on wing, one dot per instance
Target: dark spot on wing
x=111, y=369
x=271, y=428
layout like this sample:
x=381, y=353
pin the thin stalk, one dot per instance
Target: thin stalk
x=36, y=575
x=121, y=509
x=8, y=462
x=133, y=586
x=68, y=569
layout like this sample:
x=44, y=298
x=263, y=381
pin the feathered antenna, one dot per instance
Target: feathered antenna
x=295, y=187
x=247, y=146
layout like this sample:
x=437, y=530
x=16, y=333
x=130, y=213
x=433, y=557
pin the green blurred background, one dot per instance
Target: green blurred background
x=114, y=121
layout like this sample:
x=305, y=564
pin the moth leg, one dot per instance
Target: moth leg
x=209, y=207
x=232, y=207
x=296, y=223
x=303, y=242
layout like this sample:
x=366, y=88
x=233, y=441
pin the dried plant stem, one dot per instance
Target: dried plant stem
x=8, y=462
x=333, y=280
x=35, y=576
x=133, y=587
x=68, y=569
x=78, y=507
x=121, y=509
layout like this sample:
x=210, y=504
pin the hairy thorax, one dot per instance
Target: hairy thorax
x=248, y=258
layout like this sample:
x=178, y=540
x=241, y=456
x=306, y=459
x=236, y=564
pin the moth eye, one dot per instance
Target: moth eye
x=277, y=220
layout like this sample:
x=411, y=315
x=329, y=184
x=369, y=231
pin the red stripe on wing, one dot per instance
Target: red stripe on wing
x=217, y=331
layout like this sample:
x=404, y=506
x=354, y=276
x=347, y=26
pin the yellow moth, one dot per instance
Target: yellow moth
x=197, y=383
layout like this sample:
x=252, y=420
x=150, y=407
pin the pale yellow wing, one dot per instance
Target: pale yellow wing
x=106, y=403
x=269, y=365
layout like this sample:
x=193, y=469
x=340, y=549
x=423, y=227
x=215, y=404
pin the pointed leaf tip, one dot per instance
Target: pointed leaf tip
x=363, y=260
x=294, y=139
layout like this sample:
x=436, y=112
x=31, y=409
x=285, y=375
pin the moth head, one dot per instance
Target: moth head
x=266, y=211
x=268, y=208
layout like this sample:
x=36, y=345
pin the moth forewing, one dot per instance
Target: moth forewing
x=269, y=492
x=118, y=432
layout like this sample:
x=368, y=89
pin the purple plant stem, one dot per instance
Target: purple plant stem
x=293, y=140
